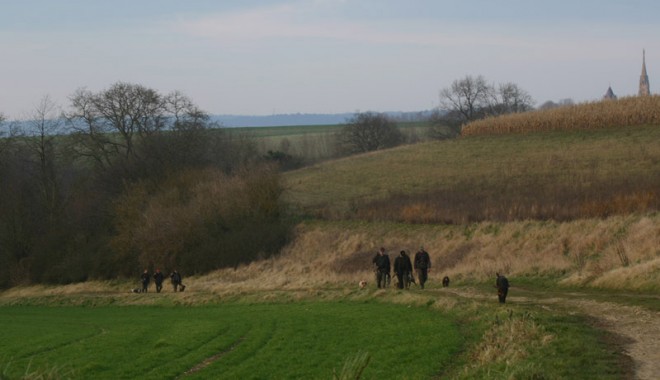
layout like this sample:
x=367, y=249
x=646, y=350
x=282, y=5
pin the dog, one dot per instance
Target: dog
x=362, y=284
x=445, y=282
x=136, y=290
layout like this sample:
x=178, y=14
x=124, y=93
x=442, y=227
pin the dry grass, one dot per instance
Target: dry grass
x=328, y=260
x=559, y=175
x=629, y=111
x=326, y=255
x=501, y=343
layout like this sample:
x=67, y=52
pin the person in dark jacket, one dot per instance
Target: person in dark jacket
x=176, y=279
x=383, y=267
x=422, y=266
x=502, y=285
x=403, y=270
x=158, y=280
x=145, y=280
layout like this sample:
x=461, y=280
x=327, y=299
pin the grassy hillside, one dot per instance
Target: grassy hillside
x=562, y=175
x=574, y=207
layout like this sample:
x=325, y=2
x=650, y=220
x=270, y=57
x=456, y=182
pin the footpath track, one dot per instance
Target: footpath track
x=638, y=327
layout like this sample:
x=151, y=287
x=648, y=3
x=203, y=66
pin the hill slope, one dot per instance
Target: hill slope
x=553, y=175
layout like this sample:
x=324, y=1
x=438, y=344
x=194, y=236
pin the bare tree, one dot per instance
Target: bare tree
x=183, y=141
x=43, y=125
x=473, y=98
x=468, y=98
x=369, y=131
x=4, y=133
x=109, y=124
x=513, y=99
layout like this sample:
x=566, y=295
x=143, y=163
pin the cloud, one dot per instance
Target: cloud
x=312, y=20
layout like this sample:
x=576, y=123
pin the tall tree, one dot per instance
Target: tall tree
x=513, y=99
x=108, y=124
x=469, y=98
x=39, y=134
x=473, y=98
x=131, y=131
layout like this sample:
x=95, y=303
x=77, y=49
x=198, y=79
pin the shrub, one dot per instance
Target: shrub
x=201, y=220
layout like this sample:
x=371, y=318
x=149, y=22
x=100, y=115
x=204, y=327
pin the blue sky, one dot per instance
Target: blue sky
x=322, y=56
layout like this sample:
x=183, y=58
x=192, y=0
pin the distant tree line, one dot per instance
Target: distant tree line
x=467, y=99
x=129, y=178
x=472, y=98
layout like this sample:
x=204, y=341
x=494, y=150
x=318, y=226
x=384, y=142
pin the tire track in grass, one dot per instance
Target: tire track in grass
x=49, y=348
x=260, y=343
x=212, y=359
x=226, y=349
x=255, y=341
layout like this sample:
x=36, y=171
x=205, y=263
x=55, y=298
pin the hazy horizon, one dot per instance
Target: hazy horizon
x=322, y=56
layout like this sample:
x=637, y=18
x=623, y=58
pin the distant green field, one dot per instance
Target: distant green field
x=285, y=131
x=296, y=130
x=232, y=341
x=312, y=142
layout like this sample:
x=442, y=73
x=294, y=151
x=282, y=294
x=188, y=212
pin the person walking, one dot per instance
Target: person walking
x=158, y=280
x=383, y=267
x=403, y=270
x=145, y=280
x=502, y=285
x=422, y=266
x=176, y=279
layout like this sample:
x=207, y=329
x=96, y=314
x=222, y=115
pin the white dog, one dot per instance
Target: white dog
x=362, y=284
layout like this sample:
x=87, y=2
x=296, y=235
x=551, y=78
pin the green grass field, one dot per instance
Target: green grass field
x=306, y=340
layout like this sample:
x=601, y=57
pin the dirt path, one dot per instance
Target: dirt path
x=639, y=327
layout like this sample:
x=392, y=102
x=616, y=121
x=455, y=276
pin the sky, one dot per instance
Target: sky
x=268, y=57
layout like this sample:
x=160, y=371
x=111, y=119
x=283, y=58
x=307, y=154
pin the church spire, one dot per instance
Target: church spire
x=644, y=87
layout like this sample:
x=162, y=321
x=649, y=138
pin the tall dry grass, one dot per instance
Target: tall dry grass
x=326, y=260
x=629, y=111
x=331, y=255
x=501, y=343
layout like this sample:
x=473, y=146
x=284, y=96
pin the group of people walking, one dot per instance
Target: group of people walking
x=403, y=268
x=175, y=279
x=421, y=264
